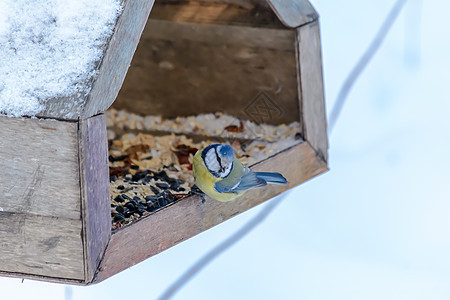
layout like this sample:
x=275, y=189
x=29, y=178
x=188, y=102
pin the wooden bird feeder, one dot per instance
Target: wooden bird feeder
x=56, y=224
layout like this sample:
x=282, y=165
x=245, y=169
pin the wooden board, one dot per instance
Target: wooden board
x=311, y=86
x=269, y=13
x=40, y=225
x=231, y=12
x=213, y=68
x=188, y=217
x=294, y=13
x=36, y=245
x=95, y=192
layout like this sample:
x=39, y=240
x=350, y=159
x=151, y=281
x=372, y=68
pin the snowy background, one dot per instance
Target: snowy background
x=377, y=225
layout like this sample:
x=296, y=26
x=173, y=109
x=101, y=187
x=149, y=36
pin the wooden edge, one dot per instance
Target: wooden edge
x=118, y=55
x=42, y=278
x=253, y=13
x=294, y=14
x=309, y=58
x=188, y=217
x=95, y=193
x=41, y=225
x=218, y=34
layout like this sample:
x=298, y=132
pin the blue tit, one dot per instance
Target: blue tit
x=223, y=177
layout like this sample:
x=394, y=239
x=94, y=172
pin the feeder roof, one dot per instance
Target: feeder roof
x=294, y=13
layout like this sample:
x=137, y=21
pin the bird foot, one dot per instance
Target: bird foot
x=196, y=191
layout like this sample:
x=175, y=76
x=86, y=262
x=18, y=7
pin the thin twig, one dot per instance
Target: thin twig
x=220, y=248
x=363, y=61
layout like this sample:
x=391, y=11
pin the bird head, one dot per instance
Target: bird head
x=218, y=159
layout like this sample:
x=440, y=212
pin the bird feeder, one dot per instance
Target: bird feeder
x=193, y=57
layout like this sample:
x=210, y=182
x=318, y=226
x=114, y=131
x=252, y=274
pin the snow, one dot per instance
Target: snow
x=50, y=49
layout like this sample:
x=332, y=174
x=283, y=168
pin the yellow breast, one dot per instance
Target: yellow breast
x=205, y=180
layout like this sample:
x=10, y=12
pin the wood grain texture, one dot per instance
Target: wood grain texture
x=312, y=90
x=40, y=225
x=41, y=245
x=118, y=56
x=95, y=193
x=216, y=35
x=294, y=13
x=212, y=67
x=39, y=163
x=241, y=13
x=188, y=217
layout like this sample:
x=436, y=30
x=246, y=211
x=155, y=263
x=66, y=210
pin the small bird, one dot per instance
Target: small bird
x=220, y=175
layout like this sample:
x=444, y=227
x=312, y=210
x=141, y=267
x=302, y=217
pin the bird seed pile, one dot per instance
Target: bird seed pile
x=150, y=158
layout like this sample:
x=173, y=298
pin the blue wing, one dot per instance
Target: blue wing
x=271, y=177
x=248, y=181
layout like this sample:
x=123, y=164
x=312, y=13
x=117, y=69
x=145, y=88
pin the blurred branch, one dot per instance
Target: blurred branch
x=220, y=248
x=363, y=61
x=413, y=20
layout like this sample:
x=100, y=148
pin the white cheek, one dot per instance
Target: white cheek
x=211, y=161
x=227, y=170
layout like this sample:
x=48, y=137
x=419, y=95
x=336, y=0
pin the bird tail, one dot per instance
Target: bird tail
x=271, y=177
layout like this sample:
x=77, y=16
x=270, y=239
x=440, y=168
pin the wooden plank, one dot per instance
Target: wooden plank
x=40, y=225
x=42, y=278
x=96, y=201
x=221, y=35
x=312, y=90
x=294, y=13
x=118, y=56
x=41, y=245
x=193, y=63
x=188, y=217
x=242, y=12
x=39, y=163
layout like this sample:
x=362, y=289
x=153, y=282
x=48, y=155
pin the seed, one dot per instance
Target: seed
x=154, y=189
x=140, y=209
x=118, y=158
x=162, y=175
x=126, y=197
x=139, y=175
x=175, y=183
x=119, y=199
x=163, y=202
x=162, y=185
x=151, y=198
x=146, y=180
x=117, y=217
x=131, y=206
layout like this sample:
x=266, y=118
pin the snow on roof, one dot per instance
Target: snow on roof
x=50, y=49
